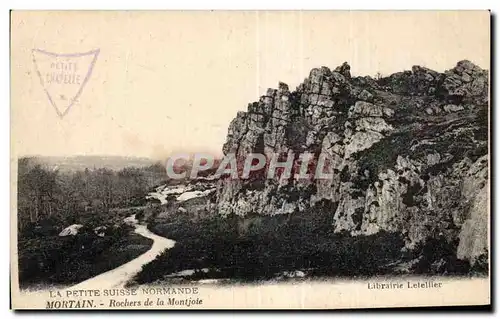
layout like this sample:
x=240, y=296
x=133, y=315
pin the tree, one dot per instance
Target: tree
x=132, y=184
x=36, y=191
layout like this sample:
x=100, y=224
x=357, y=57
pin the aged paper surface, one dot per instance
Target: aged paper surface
x=249, y=160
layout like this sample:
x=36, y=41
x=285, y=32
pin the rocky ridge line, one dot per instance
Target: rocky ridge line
x=409, y=153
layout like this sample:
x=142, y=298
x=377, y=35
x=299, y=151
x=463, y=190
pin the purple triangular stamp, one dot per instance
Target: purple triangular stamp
x=63, y=76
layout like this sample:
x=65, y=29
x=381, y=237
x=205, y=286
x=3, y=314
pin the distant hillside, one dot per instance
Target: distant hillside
x=75, y=163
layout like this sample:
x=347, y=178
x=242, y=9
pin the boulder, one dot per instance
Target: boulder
x=71, y=230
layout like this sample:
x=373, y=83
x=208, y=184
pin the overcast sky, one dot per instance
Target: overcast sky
x=167, y=81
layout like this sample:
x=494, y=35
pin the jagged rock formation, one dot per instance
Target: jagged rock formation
x=409, y=153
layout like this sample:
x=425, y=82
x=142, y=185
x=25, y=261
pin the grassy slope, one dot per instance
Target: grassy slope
x=44, y=257
x=259, y=247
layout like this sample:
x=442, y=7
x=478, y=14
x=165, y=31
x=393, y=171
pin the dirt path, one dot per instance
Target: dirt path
x=118, y=277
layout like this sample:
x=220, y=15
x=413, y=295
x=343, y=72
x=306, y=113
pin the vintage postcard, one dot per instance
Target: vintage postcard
x=250, y=159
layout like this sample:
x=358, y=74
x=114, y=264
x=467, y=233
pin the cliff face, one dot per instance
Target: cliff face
x=408, y=152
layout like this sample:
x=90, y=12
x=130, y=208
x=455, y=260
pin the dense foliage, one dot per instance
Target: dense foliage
x=49, y=200
x=262, y=247
x=69, y=196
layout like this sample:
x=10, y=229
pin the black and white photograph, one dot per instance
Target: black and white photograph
x=250, y=159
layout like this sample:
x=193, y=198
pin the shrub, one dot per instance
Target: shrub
x=269, y=245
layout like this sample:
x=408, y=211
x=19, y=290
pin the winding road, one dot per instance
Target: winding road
x=119, y=276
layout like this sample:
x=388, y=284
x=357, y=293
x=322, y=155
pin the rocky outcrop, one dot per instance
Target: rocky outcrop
x=408, y=153
x=473, y=237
